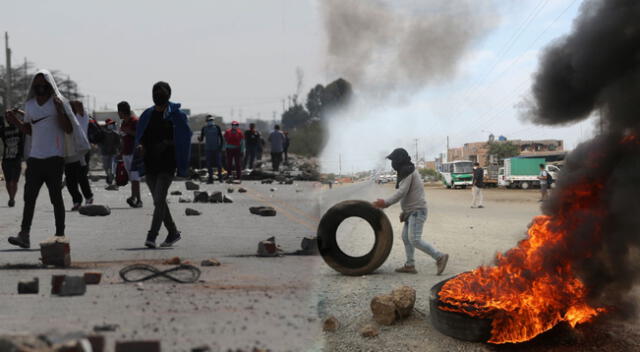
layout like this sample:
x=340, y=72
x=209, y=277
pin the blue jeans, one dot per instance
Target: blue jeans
x=412, y=237
x=214, y=159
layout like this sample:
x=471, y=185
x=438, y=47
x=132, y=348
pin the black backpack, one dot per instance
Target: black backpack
x=549, y=179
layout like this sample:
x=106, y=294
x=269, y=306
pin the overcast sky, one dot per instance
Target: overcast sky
x=242, y=55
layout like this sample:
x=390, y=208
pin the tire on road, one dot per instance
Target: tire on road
x=335, y=257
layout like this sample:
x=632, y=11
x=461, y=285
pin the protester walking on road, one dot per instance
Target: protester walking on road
x=128, y=133
x=163, y=138
x=477, y=184
x=545, y=183
x=410, y=193
x=252, y=141
x=76, y=168
x=54, y=133
x=277, y=140
x=109, y=147
x=234, y=146
x=13, y=141
x=211, y=134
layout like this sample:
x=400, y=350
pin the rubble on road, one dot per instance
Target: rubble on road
x=369, y=331
x=267, y=181
x=268, y=248
x=138, y=346
x=56, y=251
x=56, y=283
x=200, y=197
x=227, y=199
x=331, y=324
x=176, y=193
x=173, y=261
x=92, y=277
x=263, y=211
x=106, y=327
x=191, y=212
x=273, y=189
x=216, y=197
x=230, y=190
x=210, y=262
x=242, y=190
x=29, y=287
x=94, y=210
x=73, y=286
x=309, y=246
x=184, y=200
x=399, y=304
x=191, y=186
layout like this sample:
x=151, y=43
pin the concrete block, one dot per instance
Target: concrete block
x=216, y=197
x=200, y=197
x=56, y=283
x=73, y=286
x=29, y=287
x=227, y=199
x=92, y=278
x=56, y=251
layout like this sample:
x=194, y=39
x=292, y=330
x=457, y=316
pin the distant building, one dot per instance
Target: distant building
x=478, y=151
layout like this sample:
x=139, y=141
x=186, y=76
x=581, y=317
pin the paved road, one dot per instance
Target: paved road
x=245, y=303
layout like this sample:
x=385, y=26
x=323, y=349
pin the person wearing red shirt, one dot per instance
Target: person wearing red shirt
x=128, y=131
x=234, y=146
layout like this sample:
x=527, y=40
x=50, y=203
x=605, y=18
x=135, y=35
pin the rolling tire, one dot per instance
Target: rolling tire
x=524, y=185
x=335, y=257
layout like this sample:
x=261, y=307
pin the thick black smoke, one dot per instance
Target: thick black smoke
x=597, y=66
x=596, y=69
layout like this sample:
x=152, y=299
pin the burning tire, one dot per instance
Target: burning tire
x=457, y=325
x=335, y=257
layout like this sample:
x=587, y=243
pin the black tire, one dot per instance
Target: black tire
x=335, y=257
x=458, y=325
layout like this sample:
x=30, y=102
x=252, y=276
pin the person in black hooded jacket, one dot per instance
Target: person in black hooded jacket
x=410, y=193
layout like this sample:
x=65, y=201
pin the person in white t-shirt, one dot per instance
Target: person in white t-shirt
x=46, y=121
x=544, y=183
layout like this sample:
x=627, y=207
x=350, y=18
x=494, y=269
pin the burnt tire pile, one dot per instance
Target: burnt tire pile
x=342, y=262
x=454, y=324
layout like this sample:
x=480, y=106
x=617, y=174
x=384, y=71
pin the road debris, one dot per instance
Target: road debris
x=94, y=210
x=29, y=287
x=183, y=273
x=138, y=346
x=331, y=324
x=369, y=331
x=56, y=251
x=231, y=190
x=56, y=283
x=399, y=304
x=92, y=277
x=404, y=298
x=191, y=212
x=210, y=262
x=216, y=197
x=106, y=327
x=73, y=286
x=309, y=246
x=227, y=199
x=184, y=200
x=172, y=261
x=242, y=190
x=268, y=248
x=263, y=211
x=192, y=186
x=176, y=193
x=200, y=197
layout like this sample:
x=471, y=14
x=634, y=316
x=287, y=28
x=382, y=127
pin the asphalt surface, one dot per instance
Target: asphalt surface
x=245, y=303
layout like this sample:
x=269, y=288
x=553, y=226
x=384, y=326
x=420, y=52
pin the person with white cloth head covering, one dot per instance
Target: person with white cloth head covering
x=53, y=134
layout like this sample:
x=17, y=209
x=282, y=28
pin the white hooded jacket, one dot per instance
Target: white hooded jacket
x=76, y=143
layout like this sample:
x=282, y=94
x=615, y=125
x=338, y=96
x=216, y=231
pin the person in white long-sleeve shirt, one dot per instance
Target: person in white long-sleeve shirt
x=410, y=194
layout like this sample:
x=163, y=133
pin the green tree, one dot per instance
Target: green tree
x=296, y=116
x=308, y=140
x=502, y=150
x=315, y=100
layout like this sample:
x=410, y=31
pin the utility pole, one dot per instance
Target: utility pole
x=340, y=164
x=447, y=148
x=416, y=140
x=7, y=78
x=26, y=77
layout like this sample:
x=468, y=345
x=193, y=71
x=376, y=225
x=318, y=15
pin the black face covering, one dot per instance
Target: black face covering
x=41, y=90
x=160, y=97
x=401, y=162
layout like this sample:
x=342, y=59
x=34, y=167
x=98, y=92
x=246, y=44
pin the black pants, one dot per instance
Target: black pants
x=76, y=174
x=159, y=186
x=43, y=171
x=276, y=159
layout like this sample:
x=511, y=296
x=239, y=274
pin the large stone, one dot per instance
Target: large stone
x=73, y=286
x=230, y=190
x=383, y=309
x=216, y=197
x=242, y=190
x=369, y=331
x=210, y=262
x=227, y=199
x=200, y=197
x=268, y=248
x=192, y=186
x=176, y=193
x=331, y=324
x=92, y=277
x=184, y=200
x=94, y=210
x=29, y=287
x=191, y=212
x=56, y=283
x=404, y=298
x=309, y=245
x=56, y=251
x=263, y=211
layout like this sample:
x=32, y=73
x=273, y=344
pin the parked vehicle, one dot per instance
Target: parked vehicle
x=523, y=172
x=457, y=173
x=490, y=178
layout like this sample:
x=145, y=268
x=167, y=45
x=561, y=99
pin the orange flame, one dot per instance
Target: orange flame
x=532, y=287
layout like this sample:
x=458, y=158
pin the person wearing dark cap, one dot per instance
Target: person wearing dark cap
x=410, y=193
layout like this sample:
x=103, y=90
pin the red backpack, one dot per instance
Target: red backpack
x=122, y=177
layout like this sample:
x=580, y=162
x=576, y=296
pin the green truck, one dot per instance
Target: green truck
x=523, y=172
